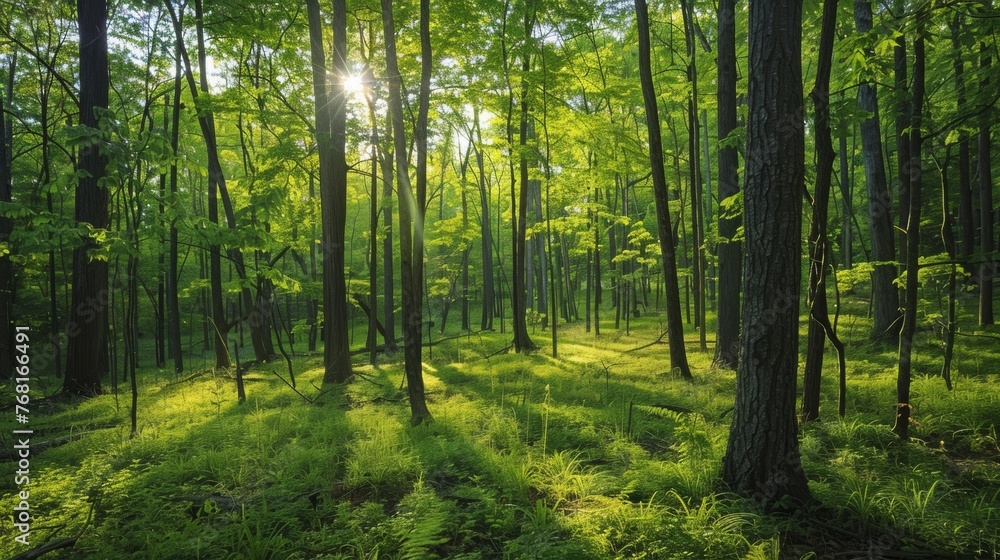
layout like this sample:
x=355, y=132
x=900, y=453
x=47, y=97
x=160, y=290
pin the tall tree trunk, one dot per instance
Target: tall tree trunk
x=730, y=250
x=337, y=351
x=88, y=318
x=884, y=292
x=388, y=283
x=965, y=212
x=986, y=220
x=902, y=142
x=408, y=207
x=675, y=329
x=762, y=458
x=819, y=323
x=373, y=255
x=173, y=306
x=522, y=341
x=206, y=122
x=694, y=156
x=948, y=240
x=915, y=173
x=6, y=267
x=486, y=319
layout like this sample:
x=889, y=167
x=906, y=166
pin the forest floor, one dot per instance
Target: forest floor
x=599, y=453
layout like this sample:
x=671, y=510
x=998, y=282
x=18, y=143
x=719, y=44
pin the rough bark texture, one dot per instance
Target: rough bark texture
x=730, y=252
x=884, y=292
x=675, y=328
x=333, y=197
x=762, y=458
x=88, y=319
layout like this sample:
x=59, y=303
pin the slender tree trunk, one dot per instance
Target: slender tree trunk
x=88, y=320
x=173, y=306
x=902, y=142
x=819, y=323
x=373, y=255
x=697, y=230
x=987, y=269
x=408, y=206
x=948, y=240
x=675, y=330
x=6, y=267
x=730, y=250
x=486, y=319
x=522, y=341
x=965, y=212
x=901, y=427
x=762, y=458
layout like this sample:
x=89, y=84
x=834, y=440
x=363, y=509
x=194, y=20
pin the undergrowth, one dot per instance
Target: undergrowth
x=600, y=453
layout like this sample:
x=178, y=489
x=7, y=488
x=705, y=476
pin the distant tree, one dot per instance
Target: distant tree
x=88, y=319
x=762, y=457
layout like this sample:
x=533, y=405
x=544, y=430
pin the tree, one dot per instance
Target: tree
x=915, y=174
x=988, y=267
x=762, y=456
x=675, y=330
x=408, y=209
x=331, y=122
x=730, y=249
x=884, y=292
x=519, y=304
x=6, y=267
x=88, y=319
x=819, y=249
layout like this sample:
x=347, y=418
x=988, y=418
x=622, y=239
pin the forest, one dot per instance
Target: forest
x=575, y=279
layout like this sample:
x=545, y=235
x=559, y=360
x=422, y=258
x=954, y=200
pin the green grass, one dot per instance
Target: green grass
x=527, y=457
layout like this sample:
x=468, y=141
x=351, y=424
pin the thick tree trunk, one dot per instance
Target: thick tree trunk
x=88, y=320
x=730, y=251
x=408, y=206
x=762, y=458
x=675, y=329
x=901, y=427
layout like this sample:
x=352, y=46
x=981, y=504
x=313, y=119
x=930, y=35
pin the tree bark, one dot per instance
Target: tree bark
x=884, y=292
x=522, y=341
x=675, y=329
x=762, y=458
x=6, y=267
x=88, y=320
x=914, y=172
x=412, y=284
x=173, y=306
x=819, y=323
x=730, y=251
x=987, y=269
